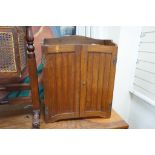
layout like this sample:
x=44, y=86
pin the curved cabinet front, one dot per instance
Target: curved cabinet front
x=78, y=81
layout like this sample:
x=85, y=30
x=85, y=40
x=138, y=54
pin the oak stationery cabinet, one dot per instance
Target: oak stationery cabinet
x=78, y=77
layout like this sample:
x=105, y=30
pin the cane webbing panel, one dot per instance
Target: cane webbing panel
x=7, y=53
x=22, y=48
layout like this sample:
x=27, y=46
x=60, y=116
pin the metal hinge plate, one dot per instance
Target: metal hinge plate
x=110, y=107
x=115, y=60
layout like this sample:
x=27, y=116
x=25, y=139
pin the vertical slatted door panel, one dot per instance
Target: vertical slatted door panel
x=100, y=72
x=62, y=82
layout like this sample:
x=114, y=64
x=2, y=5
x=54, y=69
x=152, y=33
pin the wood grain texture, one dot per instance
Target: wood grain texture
x=77, y=40
x=18, y=100
x=32, y=69
x=83, y=89
x=61, y=83
x=23, y=121
x=13, y=87
x=101, y=74
x=106, y=82
x=84, y=71
x=89, y=83
x=98, y=75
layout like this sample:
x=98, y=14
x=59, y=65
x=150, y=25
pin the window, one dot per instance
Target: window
x=144, y=80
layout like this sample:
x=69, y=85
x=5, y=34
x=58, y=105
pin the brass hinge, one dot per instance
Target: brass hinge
x=115, y=60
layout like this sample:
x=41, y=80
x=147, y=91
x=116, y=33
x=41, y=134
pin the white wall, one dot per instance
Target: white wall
x=114, y=33
x=100, y=32
x=142, y=114
x=127, y=50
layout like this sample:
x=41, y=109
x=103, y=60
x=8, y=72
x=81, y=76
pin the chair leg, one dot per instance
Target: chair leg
x=36, y=119
x=32, y=67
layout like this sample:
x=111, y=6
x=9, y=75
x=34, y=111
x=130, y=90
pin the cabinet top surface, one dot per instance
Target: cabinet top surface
x=77, y=40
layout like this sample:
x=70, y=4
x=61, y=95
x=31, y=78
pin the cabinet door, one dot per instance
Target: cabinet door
x=97, y=80
x=62, y=82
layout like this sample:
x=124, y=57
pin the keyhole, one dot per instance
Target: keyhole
x=83, y=83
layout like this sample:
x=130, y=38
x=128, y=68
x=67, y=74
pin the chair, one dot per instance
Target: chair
x=17, y=52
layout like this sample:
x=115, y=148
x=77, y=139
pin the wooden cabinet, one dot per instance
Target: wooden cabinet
x=78, y=77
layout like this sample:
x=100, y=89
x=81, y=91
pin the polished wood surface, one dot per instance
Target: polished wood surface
x=78, y=77
x=13, y=87
x=18, y=100
x=61, y=78
x=23, y=121
x=75, y=39
x=32, y=69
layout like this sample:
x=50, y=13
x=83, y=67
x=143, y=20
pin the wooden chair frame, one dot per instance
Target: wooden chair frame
x=33, y=86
